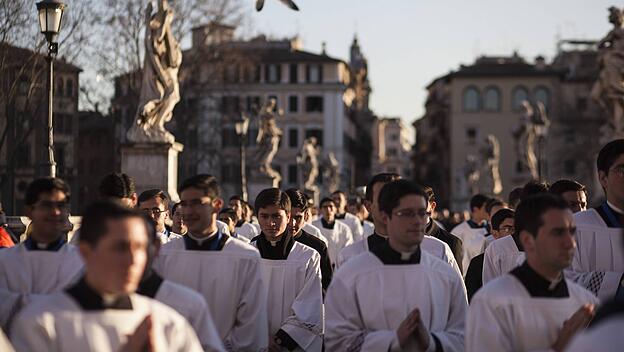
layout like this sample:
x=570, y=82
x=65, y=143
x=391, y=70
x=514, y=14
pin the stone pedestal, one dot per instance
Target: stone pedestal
x=153, y=165
x=259, y=182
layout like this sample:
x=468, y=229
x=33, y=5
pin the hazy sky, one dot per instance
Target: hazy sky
x=410, y=42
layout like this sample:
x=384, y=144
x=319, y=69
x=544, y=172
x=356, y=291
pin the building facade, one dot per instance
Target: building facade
x=392, y=150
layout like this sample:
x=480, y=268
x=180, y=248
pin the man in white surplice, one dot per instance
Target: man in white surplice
x=533, y=307
x=43, y=263
x=102, y=312
x=226, y=271
x=293, y=276
x=397, y=297
x=598, y=264
x=472, y=231
x=337, y=233
x=340, y=199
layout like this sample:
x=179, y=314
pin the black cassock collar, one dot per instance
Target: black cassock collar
x=275, y=251
x=88, y=299
x=375, y=240
x=150, y=284
x=539, y=286
x=389, y=256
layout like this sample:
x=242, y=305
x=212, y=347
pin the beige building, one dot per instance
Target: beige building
x=391, y=148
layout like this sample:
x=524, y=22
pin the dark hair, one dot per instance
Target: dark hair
x=608, y=154
x=339, y=192
x=529, y=212
x=514, y=196
x=117, y=185
x=391, y=194
x=45, y=185
x=493, y=202
x=298, y=199
x=562, y=186
x=477, y=201
x=236, y=197
x=327, y=199
x=154, y=193
x=229, y=212
x=272, y=196
x=379, y=178
x=532, y=188
x=430, y=194
x=500, y=216
x=97, y=214
x=174, y=208
x=204, y=182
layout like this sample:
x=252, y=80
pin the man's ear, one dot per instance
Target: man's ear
x=368, y=205
x=217, y=204
x=602, y=178
x=527, y=240
x=385, y=218
x=135, y=200
x=432, y=206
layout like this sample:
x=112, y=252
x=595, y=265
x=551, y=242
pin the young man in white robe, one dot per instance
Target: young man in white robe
x=397, y=297
x=472, y=231
x=534, y=307
x=228, y=217
x=102, y=311
x=597, y=266
x=189, y=303
x=434, y=246
x=225, y=271
x=43, y=263
x=293, y=276
x=340, y=199
x=337, y=233
x=241, y=227
x=155, y=204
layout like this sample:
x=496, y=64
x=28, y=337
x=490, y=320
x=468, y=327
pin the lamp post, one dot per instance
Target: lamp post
x=242, y=125
x=50, y=18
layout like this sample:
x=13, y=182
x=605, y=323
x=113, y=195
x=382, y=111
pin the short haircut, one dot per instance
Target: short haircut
x=236, y=197
x=608, y=154
x=529, y=212
x=391, y=194
x=229, y=212
x=154, y=193
x=532, y=188
x=175, y=207
x=272, y=196
x=325, y=200
x=339, y=192
x=478, y=200
x=45, y=185
x=97, y=214
x=117, y=185
x=430, y=194
x=493, y=202
x=500, y=216
x=206, y=183
x=562, y=186
x=379, y=178
x=298, y=199
x=514, y=196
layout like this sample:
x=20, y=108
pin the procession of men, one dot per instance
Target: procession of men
x=541, y=273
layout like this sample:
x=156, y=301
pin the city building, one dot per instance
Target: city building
x=392, y=150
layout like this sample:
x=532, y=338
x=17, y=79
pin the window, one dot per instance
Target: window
x=59, y=151
x=315, y=132
x=292, y=174
x=581, y=104
x=23, y=155
x=252, y=135
x=229, y=138
x=59, y=87
x=252, y=103
x=273, y=73
x=23, y=86
x=294, y=74
x=293, y=138
x=314, y=73
x=471, y=135
x=232, y=74
x=394, y=137
x=569, y=167
x=314, y=104
x=230, y=173
x=391, y=152
x=492, y=99
x=69, y=87
x=471, y=99
x=518, y=95
x=293, y=103
x=230, y=104
x=542, y=95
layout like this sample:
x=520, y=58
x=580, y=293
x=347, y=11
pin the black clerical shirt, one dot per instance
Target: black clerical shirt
x=453, y=241
x=537, y=285
x=88, y=299
x=215, y=243
x=320, y=246
x=33, y=245
x=389, y=256
x=274, y=251
x=150, y=284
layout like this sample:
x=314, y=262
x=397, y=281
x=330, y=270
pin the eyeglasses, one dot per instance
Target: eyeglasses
x=506, y=229
x=193, y=203
x=50, y=205
x=410, y=214
x=618, y=170
x=153, y=211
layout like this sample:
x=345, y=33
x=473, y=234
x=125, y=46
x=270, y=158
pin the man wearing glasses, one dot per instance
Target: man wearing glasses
x=155, y=204
x=597, y=264
x=44, y=263
x=397, y=297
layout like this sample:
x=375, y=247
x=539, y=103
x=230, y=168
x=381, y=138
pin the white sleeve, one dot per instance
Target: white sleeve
x=305, y=323
x=204, y=326
x=486, y=328
x=490, y=270
x=452, y=337
x=348, y=237
x=603, y=284
x=358, y=230
x=450, y=258
x=251, y=332
x=30, y=334
x=184, y=339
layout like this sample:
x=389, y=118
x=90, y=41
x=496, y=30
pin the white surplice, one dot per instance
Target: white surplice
x=295, y=299
x=230, y=280
x=474, y=242
x=368, y=228
x=501, y=256
x=25, y=274
x=337, y=238
x=367, y=301
x=314, y=231
x=246, y=230
x=164, y=238
x=57, y=323
x=606, y=336
x=192, y=306
x=598, y=262
x=504, y=317
x=5, y=344
x=354, y=225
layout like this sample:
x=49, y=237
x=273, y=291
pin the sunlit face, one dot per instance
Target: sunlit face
x=199, y=211
x=554, y=244
x=228, y=221
x=374, y=206
x=408, y=221
x=273, y=221
x=577, y=200
x=237, y=205
x=505, y=228
x=328, y=211
x=179, y=226
x=117, y=261
x=49, y=216
x=613, y=181
x=298, y=218
x=156, y=209
x=340, y=200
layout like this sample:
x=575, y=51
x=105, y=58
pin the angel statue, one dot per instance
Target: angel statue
x=160, y=89
x=308, y=158
x=331, y=173
x=472, y=174
x=491, y=156
x=269, y=136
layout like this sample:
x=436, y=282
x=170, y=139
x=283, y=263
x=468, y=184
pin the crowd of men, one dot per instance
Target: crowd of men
x=540, y=271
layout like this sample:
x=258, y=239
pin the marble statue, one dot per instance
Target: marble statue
x=533, y=125
x=331, y=173
x=269, y=136
x=491, y=156
x=308, y=158
x=160, y=89
x=472, y=174
x=608, y=90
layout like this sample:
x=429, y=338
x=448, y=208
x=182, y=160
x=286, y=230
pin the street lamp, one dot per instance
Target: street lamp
x=50, y=18
x=242, y=125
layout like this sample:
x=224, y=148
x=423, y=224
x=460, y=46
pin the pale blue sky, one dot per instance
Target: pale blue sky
x=410, y=42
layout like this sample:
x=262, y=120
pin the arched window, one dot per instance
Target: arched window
x=542, y=94
x=491, y=101
x=471, y=99
x=519, y=95
x=69, y=87
x=59, y=87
